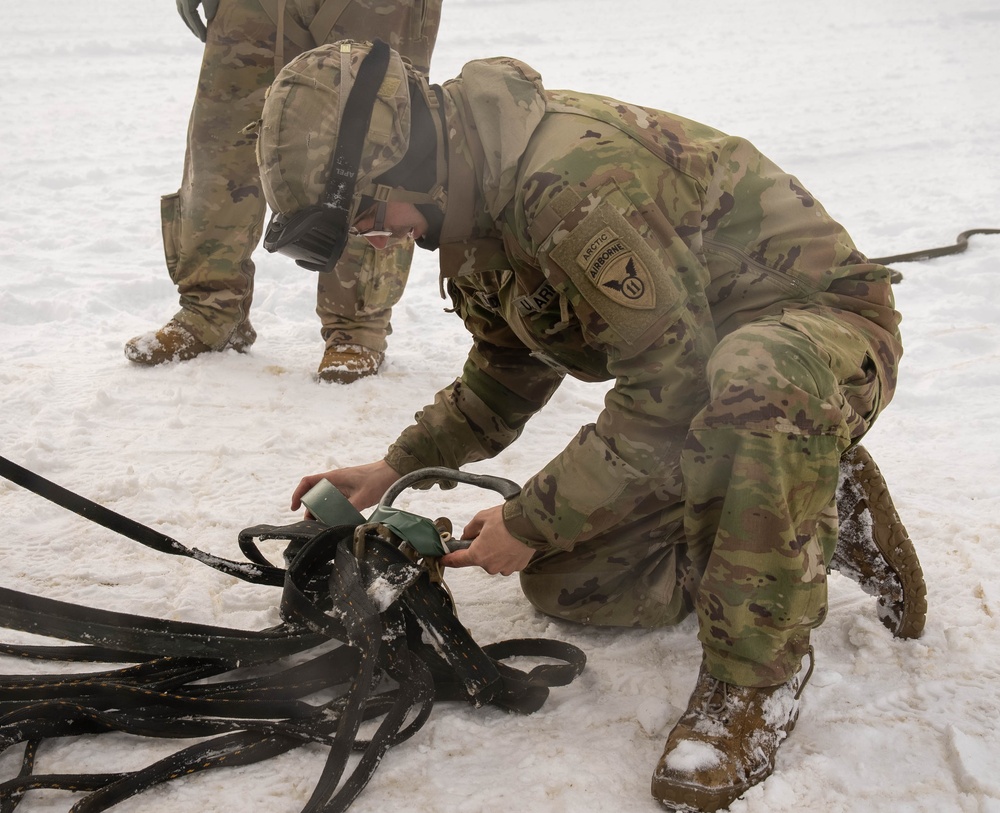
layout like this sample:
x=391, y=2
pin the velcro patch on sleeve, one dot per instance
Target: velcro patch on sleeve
x=615, y=269
x=618, y=274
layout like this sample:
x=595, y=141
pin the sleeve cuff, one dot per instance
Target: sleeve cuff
x=520, y=527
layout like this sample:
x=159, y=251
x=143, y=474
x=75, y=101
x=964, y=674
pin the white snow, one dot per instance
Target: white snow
x=693, y=756
x=975, y=763
x=887, y=111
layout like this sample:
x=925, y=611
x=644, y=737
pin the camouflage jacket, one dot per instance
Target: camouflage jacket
x=590, y=237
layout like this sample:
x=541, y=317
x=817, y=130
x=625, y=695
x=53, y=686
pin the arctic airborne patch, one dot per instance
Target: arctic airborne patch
x=600, y=249
x=627, y=282
x=604, y=261
x=612, y=267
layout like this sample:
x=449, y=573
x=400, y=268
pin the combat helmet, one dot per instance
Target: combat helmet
x=335, y=137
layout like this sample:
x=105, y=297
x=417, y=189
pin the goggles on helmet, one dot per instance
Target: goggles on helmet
x=315, y=237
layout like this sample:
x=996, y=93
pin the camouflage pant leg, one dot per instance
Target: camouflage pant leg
x=409, y=26
x=636, y=576
x=748, y=546
x=354, y=301
x=789, y=395
x=213, y=224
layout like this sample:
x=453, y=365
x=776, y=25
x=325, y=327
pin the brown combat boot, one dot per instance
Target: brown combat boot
x=344, y=363
x=874, y=549
x=173, y=342
x=726, y=742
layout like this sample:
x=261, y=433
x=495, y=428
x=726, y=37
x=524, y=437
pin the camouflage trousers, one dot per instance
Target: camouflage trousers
x=212, y=225
x=746, y=548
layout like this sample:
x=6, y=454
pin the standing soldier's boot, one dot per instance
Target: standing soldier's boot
x=354, y=303
x=346, y=363
x=874, y=549
x=726, y=742
x=174, y=342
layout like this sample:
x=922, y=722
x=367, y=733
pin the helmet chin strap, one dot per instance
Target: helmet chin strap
x=394, y=194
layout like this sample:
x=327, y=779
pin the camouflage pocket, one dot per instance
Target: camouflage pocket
x=849, y=354
x=382, y=277
x=170, y=208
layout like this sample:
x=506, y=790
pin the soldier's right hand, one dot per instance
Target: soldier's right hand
x=188, y=10
x=493, y=547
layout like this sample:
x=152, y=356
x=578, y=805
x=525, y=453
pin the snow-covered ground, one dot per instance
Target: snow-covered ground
x=885, y=109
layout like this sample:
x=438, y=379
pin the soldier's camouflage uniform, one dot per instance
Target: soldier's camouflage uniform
x=748, y=341
x=213, y=224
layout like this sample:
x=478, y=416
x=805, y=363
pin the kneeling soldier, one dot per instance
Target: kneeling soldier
x=748, y=344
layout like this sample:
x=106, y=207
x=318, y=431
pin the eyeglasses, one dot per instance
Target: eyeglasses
x=378, y=231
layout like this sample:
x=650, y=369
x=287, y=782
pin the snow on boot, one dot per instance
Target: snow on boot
x=726, y=742
x=344, y=363
x=874, y=549
x=174, y=342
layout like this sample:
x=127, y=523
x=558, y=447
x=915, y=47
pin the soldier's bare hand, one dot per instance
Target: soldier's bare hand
x=493, y=548
x=362, y=485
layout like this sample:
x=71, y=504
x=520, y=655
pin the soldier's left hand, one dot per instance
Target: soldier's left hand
x=188, y=9
x=493, y=548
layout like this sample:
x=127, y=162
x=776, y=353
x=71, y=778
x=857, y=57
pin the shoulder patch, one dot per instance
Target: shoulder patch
x=614, y=268
x=617, y=272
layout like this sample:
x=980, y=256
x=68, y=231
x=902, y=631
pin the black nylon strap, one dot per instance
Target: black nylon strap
x=354, y=123
x=337, y=640
x=961, y=244
x=131, y=529
x=154, y=636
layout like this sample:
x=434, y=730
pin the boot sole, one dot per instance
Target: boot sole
x=906, y=619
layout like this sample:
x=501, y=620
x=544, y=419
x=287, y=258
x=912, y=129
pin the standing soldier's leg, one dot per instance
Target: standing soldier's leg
x=354, y=301
x=212, y=225
x=409, y=26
